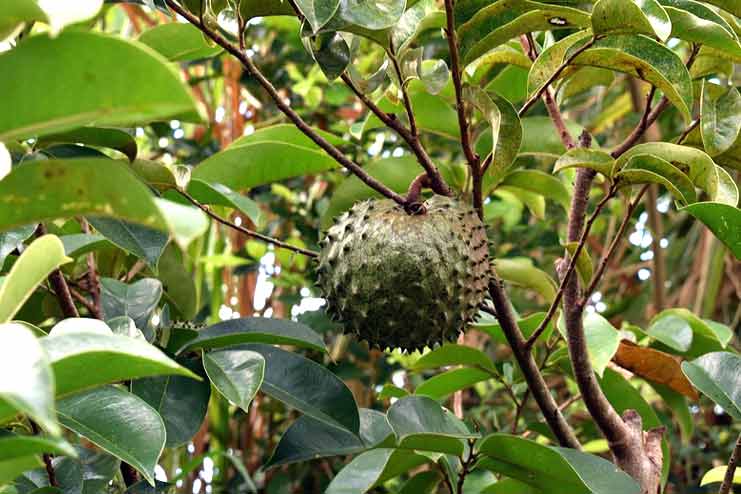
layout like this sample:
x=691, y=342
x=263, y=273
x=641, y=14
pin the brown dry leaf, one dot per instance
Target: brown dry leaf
x=655, y=366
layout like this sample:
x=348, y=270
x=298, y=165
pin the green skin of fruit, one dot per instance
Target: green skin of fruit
x=405, y=281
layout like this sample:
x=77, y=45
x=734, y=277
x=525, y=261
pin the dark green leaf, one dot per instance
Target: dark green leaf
x=372, y=468
x=718, y=375
x=143, y=242
x=421, y=483
x=686, y=333
x=331, y=52
x=180, y=401
x=94, y=136
x=116, y=83
x=723, y=220
x=12, y=239
x=236, y=374
x=118, y=422
x=178, y=42
x=78, y=244
x=372, y=14
x=308, y=387
x=317, y=12
x=448, y=382
x=256, y=330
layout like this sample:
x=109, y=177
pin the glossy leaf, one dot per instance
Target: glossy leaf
x=11, y=469
x=372, y=14
x=554, y=470
x=308, y=387
x=10, y=240
x=584, y=267
x=696, y=22
x=116, y=83
x=308, y=438
x=602, y=341
x=26, y=378
x=593, y=159
x=221, y=195
x=453, y=354
x=78, y=244
x=686, y=333
x=94, y=136
x=180, y=401
x=539, y=183
x=256, y=330
x=236, y=374
x=720, y=117
x=448, y=382
x=521, y=271
x=489, y=325
x=331, y=52
x=43, y=256
x=178, y=42
x=483, y=26
x=136, y=300
x=118, y=422
x=645, y=168
x=318, y=12
x=718, y=376
x=115, y=358
x=421, y=423
x=723, y=220
x=372, y=468
x=632, y=16
x=143, y=242
x=178, y=283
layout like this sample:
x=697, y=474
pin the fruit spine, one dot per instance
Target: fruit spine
x=405, y=281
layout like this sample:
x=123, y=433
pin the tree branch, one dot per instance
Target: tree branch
x=404, y=93
x=92, y=276
x=411, y=138
x=530, y=49
x=50, y=473
x=539, y=389
x=59, y=285
x=725, y=487
x=284, y=106
x=246, y=231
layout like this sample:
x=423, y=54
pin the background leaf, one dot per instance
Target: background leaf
x=718, y=375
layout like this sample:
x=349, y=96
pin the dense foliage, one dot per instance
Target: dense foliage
x=168, y=170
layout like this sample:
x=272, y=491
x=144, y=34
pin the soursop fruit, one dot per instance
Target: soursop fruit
x=403, y=280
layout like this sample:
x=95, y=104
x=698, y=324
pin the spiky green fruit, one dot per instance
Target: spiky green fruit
x=405, y=281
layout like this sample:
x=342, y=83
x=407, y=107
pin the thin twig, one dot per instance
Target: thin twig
x=284, y=106
x=725, y=487
x=59, y=284
x=50, y=473
x=687, y=131
x=412, y=140
x=92, y=275
x=466, y=466
x=404, y=93
x=604, y=261
x=246, y=231
x=536, y=96
x=573, y=258
x=90, y=306
x=446, y=479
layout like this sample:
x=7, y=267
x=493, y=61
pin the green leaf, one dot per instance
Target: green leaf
x=602, y=341
x=137, y=300
x=424, y=15
x=448, y=382
x=372, y=468
x=12, y=239
x=484, y=25
x=331, y=52
x=633, y=16
x=287, y=134
x=731, y=6
x=256, y=330
x=551, y=59
x=421, y=423
x=186, y=223
x=489, y=325
x=14, y=445
x=11, y=469
x=78, y=244
x=143, y=242
x=317, y=12
x=695, y=22
x=720, y=117
x=372, y=14
x=308, y=439
x=717, y=474
x=116, y=83
x=178, y=42
x=94, y=136
x=511, y=486
x=221, y=195
x=118, y=422
x=421, y=483
x=680, y=408
x=178, y=283
x=453, y=354
x=646, y=168
x=44, y=255
x=686, y=333
x=17, y=12
x=554, y=470
x=593, y=159
x=308, y=387
x=583, y=263
x=723, y=220
x=540, y=139
x=114, y=357
x=26, y=378
x=181, y=402
x=522, y=272
x=236, y=374
x=541, y=183
x=697, y=165
x=718, y=376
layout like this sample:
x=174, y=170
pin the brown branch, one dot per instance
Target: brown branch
x=604, y=261
x=414, y=191
x=50, y=473
x=474, y=162
x=90, y=306
x=285, y=107
x=92, y=275
x=531, y=53
x=59, y=285
x=404, y=93
x=570, y=269
x=410, y=137
x=246, y=231
x=725, y=487
x=650, y=116
x=539, y=389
